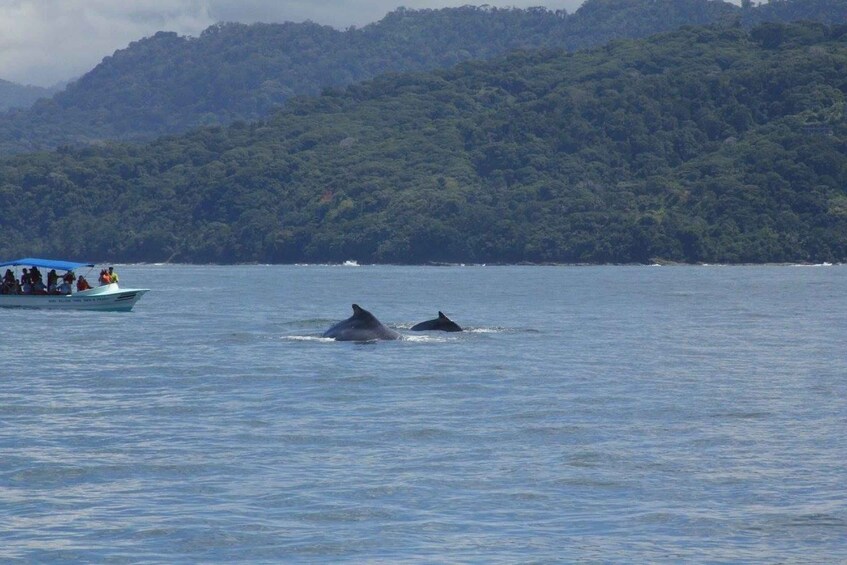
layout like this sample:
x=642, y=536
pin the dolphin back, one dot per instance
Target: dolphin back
x=442, y=323
x=361, y=326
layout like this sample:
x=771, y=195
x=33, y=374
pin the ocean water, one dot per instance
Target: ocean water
x=591, y=414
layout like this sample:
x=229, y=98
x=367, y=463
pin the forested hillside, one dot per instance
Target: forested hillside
x=823, y=11
x=705, y=144
x=169, y=84
x=14, y=95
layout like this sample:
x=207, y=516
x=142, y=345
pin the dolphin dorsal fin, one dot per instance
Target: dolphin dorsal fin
x=357, y=309
x=441, y=314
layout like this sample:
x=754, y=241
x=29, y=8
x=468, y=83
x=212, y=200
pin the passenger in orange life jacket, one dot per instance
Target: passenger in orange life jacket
x=104, y=277
x=82, y=284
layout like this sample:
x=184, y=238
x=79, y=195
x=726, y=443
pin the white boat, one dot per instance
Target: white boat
x=107, y=297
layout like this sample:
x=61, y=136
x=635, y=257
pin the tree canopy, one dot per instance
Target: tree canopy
x=168, y=84
x=708, y=144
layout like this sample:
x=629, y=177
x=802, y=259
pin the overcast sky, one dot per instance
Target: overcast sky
x=43, y=42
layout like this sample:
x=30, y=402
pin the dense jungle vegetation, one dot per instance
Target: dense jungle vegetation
x=708, y=144
x=168, y=84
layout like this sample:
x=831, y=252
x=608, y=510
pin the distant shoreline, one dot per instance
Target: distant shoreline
x=491, y=264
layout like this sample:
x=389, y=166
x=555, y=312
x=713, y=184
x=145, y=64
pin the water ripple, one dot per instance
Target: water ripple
x=590, y=414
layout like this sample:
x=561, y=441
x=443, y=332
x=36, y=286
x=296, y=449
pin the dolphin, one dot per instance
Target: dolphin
x=441, y=323
x=361, y=326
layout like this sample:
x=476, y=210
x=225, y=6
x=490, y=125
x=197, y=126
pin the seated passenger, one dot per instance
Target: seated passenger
x=82, y=284
x=68, y=282
x=39, y=288
x=9, y=283
x=104, y=277
x=52, y=281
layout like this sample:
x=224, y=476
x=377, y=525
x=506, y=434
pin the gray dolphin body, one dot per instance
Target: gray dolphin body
x=441, y=323
x=361, y=326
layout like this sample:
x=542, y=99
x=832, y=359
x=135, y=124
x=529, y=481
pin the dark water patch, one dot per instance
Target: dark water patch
x=742, y=415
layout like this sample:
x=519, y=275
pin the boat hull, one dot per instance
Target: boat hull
x=103, y=298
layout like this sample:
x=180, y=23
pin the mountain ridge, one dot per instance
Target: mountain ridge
x=166, y=84
x=708, y=144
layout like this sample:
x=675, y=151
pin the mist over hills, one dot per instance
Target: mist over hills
x=13, y=95
x=168, y=84
x=707, y=144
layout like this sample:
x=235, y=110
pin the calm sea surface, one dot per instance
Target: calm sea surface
x=608, y=414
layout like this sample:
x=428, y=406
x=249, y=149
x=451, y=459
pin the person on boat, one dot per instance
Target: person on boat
x=26, y=282
x=82, y=284
x=10, y=283
x=113, y=275
x=52, y=281
x=67, y=283
x=104, y=277
x=35, y=276
x=39, y=287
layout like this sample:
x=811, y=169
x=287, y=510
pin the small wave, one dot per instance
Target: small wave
x=742, y=415
x=406, y=326
x=809, y=520
x=238, y=338
x=425, y=338
x=321, y=339
x=307, y=323
x=315, y=338
x=500, y=330
x=404, y=338
x=815, y=520
x=344, y=264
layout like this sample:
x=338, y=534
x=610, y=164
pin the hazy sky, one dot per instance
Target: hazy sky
x=43, y=42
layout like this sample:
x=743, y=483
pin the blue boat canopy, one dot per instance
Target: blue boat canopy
x=45, y=264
